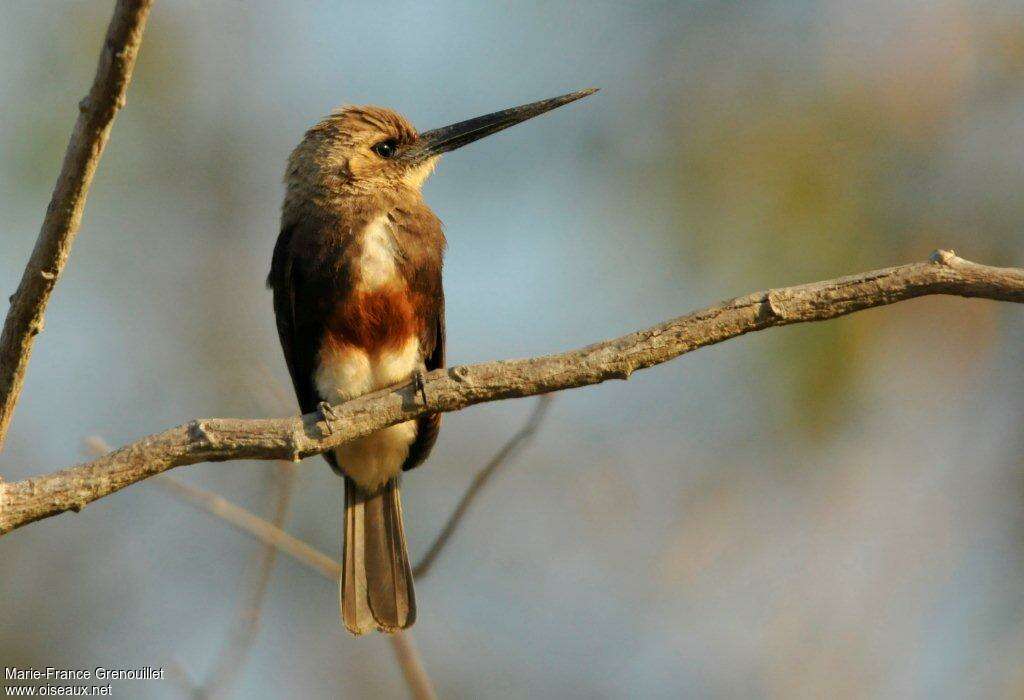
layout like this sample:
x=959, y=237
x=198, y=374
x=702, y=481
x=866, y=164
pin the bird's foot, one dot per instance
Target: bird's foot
x=419, y=383
x=326, y=412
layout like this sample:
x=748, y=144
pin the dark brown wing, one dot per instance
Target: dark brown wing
x=302, y=295
x=299, y=336
x=428, y=426
x=419, y=235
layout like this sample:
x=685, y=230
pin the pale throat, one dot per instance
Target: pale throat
x=415, y=177
x=375, y=267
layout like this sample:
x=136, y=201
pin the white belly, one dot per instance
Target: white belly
x=350, y=372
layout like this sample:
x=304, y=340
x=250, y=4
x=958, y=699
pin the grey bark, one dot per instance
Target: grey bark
x=455, y=388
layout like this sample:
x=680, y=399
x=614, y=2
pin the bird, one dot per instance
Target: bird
x=359, y=306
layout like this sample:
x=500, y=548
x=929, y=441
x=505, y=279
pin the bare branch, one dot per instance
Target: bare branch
x=64, y=215
x=457, y=387
x=272, y=534
x=515, y=443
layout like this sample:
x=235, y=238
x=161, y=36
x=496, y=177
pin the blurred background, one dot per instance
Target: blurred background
x=820, y=510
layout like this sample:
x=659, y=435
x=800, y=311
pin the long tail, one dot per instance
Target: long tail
x=376, y=580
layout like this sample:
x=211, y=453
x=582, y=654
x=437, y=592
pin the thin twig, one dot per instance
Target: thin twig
x=64, y=215
x=408, y=656
x=254, y=525
x=452, y=389
x=232, y=658
x=515, y=443
x=401, y=642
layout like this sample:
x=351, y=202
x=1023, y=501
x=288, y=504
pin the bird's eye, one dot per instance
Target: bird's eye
x=386, y=149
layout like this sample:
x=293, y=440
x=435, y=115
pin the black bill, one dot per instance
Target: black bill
x=448, y=138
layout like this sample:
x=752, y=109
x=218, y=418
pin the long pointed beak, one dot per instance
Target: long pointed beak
x=448, y=138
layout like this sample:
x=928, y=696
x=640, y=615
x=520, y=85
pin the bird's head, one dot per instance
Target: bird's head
x=364, y=150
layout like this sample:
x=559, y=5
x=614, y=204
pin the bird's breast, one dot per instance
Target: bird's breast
x=373, y=321
x=377, y=310
x=371, y=333
x=370, y=342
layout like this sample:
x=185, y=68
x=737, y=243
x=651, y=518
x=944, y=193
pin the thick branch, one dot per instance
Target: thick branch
x=64, y=215
x=457, y=387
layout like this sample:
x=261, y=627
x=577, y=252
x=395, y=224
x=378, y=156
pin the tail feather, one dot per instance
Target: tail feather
x=376, y=581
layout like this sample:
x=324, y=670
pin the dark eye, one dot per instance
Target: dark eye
x=386, y=149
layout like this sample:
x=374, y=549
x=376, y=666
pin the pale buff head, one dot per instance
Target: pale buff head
x=358, y=150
